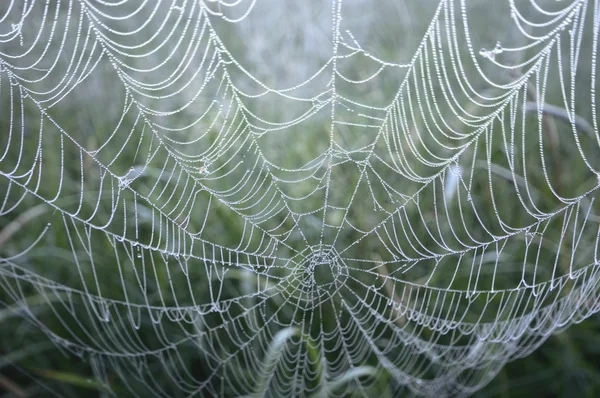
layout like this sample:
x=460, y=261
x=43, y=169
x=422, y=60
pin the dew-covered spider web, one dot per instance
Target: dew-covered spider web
x=297, y=198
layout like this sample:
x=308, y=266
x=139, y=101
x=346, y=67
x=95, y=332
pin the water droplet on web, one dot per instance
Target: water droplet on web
x=529, y=236
x=498, y=49
x=124, y=182
x=50, y=224
x=487, y=54
x=469, y=197
x=139, y=255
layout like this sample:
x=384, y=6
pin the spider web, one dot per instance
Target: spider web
x=261, y=198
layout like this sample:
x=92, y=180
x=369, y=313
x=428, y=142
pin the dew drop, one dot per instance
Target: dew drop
x=529, y=237
x=486, y=54
x=139, y=255
x=124, y=182
x=498, y=49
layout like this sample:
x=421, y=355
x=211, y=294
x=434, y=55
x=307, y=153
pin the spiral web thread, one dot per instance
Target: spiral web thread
x=241, y=235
